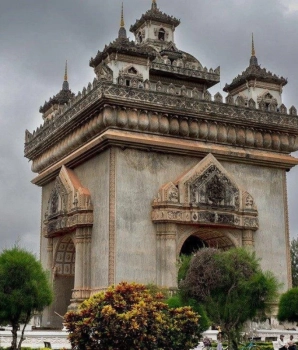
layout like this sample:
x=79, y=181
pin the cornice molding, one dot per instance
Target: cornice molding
x=165, y=144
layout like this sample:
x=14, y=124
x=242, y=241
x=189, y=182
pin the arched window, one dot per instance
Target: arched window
x=161, y=34
x=132, y=70
x=140, y=37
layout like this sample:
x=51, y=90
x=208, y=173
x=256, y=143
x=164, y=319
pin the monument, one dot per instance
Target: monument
x=144, y=164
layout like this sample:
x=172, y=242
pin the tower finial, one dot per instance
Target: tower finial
x=154, y=5
x=65, y=85
x=122, y=18
x=253, y=59
x=253, y=52
x=122, y=30
x=65, y=73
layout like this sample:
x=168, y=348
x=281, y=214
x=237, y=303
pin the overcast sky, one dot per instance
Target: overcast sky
x=37, y=36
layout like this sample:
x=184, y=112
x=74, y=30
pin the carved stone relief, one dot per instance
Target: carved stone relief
x=103, y=72
x=213, y=188
x=69, y=205
x=64, y=260
x=207, y=195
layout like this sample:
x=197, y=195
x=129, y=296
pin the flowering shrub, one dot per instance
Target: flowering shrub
x=128, y=316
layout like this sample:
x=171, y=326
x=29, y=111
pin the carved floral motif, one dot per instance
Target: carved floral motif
x=69, y=205
x=207, y=195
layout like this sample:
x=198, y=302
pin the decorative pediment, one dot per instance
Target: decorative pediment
x=104, y=72
x=265, y=96
x=69, y=205
x=130, y=71
x=206, y=194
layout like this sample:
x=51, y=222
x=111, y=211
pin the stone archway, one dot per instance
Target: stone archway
x=207, y=202
x=63, y=274
x=68, y=228
x=191, y=244
x=210, y=236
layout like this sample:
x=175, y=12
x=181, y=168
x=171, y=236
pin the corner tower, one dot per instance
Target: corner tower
x=256, y=86
x=57, y=102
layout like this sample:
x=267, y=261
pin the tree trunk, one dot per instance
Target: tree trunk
x=22, y=336
x=232, y=340
x=14, y=332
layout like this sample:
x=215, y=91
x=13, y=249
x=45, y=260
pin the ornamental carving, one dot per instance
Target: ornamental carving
x=207, y=195
x=213, y=188
x=69, y=205
x=104, y=72
x=270, y=130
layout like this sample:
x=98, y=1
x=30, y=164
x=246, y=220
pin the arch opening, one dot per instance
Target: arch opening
x=192, y=239
x=161, y=34
x=191, y=245
x=64, y=274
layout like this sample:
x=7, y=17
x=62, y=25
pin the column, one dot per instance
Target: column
x=82, y=280
x=248, y=239
x=166, y=255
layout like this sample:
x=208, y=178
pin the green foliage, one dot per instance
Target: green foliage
x=288, y=306
x=231, y=286
x=178, y=301
x=294, y=261
x=183, y=265
x=24, y=288
x=128, y=316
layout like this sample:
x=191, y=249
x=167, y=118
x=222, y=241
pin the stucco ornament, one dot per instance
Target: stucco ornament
x=69, y=205
x=207, y=195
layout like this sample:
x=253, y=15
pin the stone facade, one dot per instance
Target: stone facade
x=143, y=159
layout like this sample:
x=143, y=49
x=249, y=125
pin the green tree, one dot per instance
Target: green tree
x=24, y=289
x=129, y=316
x=231, y=286
x=294, y=261
x=288, y=306
x=180, y=300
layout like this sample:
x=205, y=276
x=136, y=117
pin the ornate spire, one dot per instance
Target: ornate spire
x=122, y=30
x=253, y=52
x=65, y=85
x=253, y=59
x=154, y=5
x=122, y=18
x=65, y=73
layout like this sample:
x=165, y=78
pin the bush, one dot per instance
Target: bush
x=288, y=306
x=128, y=316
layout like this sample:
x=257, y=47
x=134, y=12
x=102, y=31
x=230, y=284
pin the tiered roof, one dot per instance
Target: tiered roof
x=255, y=72
x=154, y=14
x=122, y=45
x=63, y=96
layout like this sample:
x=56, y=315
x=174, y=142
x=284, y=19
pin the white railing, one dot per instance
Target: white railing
x=37, y=339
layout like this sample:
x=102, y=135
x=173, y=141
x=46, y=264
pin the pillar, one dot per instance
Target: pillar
x=166, y=255
x=82, y=280
x=248, y=239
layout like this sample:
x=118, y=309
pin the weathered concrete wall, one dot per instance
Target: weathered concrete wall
x=46, y=192
x=94, y=174
x=139, y=176
x=266, y=185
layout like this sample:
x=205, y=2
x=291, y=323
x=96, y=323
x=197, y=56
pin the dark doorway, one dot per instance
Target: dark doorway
x=191, y=245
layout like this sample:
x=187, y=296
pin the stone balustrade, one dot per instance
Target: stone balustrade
x=200, y=119
x=192, y=71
